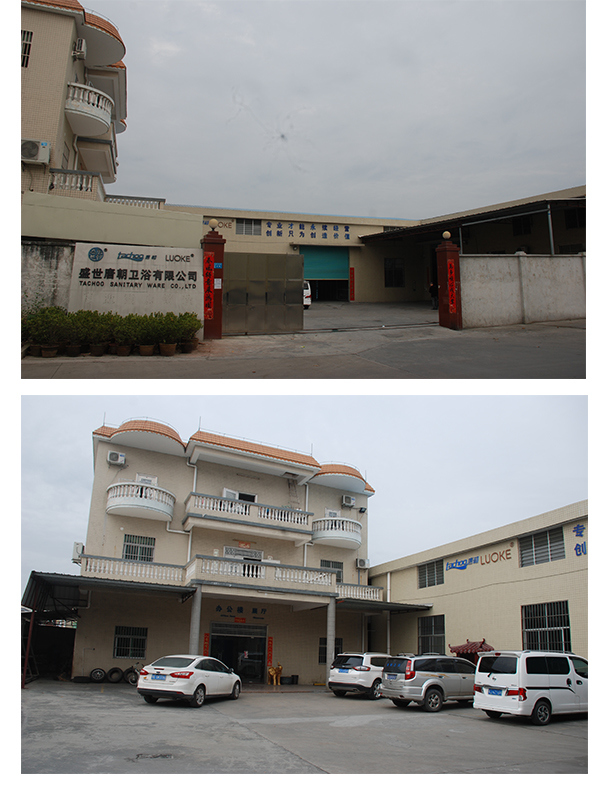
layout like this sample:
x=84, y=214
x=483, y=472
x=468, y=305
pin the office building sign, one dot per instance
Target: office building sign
x=136, y=279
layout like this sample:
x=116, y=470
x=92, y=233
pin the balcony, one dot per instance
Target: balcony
x=260, y=574
x=131, y=499
x=119, y=569
x=76, y=183
x=337, y=531
x=89, y=111
x=223, y=513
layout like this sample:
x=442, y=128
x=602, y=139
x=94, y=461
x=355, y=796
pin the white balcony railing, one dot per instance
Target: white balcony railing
x=132, y=499
x=237, y=510
x=357, y=592
x=337, y=531
x=140, y=571
x=260, y=572
x=89, y=110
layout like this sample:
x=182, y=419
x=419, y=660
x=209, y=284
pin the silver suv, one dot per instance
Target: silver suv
x=428, y=680
x=357, y=672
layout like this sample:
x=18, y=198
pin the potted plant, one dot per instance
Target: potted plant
x=75, y=329
x=169, y=333
x=124, y=333
x=48, y=329
x=146, y=333
x=99, y=332
x=190, y=325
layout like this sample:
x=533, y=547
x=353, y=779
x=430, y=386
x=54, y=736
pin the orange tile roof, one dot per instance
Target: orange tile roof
x=71, y=4
x=104, y=431
x=252, y=447
x=344, y=469
x=149, y=426
x=103, y=25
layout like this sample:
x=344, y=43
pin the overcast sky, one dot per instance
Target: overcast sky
x=443, y=467
x=383, y=108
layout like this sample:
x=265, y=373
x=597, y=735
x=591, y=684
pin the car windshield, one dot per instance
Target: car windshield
x=347, y=661
x=173, y=661
x=501, y=665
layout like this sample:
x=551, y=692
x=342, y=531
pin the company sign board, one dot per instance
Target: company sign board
x=132, y=279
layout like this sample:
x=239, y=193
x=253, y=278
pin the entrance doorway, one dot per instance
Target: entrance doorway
x=337, y=291
x=241, y=647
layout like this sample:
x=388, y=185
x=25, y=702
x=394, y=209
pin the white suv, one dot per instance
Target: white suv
x=357, y=672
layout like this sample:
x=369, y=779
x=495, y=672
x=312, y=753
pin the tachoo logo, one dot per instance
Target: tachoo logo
x=96, y=254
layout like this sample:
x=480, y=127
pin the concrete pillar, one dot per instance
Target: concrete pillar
x=449, y=286
x=213, y=245
x=194, y=628
x=331, y=633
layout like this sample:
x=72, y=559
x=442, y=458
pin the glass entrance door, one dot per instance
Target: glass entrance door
x=241, y=647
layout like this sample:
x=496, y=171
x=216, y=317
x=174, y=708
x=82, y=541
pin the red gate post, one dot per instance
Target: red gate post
x=449, y=284
x=213, y=245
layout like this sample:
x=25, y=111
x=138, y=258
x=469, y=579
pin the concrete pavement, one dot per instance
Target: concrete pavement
x=354, y=342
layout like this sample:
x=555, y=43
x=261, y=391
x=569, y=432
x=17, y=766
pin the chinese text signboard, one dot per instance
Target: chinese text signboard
x=209, y=285
x=452, y=291
x=580, y=547
x=308, y=231
x=136, y=279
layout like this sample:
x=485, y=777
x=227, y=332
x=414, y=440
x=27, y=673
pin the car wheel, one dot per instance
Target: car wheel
x=115, y=674
x=235, y=691
x=433, y=700
x=97, y=675
x=150, y=699
x=375, y=692
x=541, y=713
x=400, y=703
x=339, y=692
x=493, y=714
x=197, y=701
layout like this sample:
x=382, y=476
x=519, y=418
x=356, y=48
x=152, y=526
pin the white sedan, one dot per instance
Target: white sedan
x=185, y=677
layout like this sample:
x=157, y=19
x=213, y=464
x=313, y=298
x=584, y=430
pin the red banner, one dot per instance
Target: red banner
x=452, y=294
x=206, y=645
x=209, y=284
x=351, y=283
x=270, y=651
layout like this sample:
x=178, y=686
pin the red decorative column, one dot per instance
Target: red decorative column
x=213, y=245
x=449, y=285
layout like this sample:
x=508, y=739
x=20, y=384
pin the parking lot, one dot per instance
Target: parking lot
x=108, y=729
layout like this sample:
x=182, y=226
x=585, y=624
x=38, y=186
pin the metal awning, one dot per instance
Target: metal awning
x=379, y=606
x=56, y=596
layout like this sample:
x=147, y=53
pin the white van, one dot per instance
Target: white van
x=533, y=683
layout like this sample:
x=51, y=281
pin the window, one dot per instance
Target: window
x=431, y=574
x=130, y=642
x=248, y=227
x=580, y=666
x=138, y=548
x=394, y=273
x=575, y=218
x=231, y=494
x=431, y=634
x=323, y=649
x=546, y=626
x=26, y=47
x=521, y=226
x=337, y=565
x=542, y=547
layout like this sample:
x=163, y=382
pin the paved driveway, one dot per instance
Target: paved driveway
x=91, y=728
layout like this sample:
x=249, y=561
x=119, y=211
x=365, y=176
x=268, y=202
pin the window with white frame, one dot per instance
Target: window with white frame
x=338, y=566
x=232, y=494
x=138, y=548
x=546, y=626
x=248, y=227
x=431, y=574
x=542, y=547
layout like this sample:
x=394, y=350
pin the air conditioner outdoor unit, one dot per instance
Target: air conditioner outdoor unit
x=35, y=152
x=348, y=501
x=80, y=50
x=77, y=552
x=363, y=563
x=118, y=459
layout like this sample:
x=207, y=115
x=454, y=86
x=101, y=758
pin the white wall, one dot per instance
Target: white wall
x=512, y=289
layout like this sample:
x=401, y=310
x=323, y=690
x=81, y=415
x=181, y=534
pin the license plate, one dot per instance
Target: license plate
x=391, y=677
x=495, y=692
x=343, y=670
x=158, y=677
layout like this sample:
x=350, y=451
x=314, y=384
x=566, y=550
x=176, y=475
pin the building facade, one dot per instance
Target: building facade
x=252, y=554
x=74, y=98
x=522, y=586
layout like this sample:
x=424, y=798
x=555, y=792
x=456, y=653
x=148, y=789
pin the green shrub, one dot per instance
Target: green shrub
x=48, y=325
